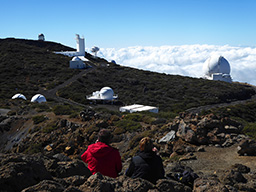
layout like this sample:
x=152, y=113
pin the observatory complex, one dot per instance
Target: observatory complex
x=105, y=94
x=78, y=61
x=217, y=68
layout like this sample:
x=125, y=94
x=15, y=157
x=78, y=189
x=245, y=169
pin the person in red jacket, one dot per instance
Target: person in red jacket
x=101, y=157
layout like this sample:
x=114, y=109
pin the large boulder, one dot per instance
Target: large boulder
x=169, y=185
x=208, y=129
x=19, y=171
x=247, y=147
x=70, y=168
x=211, y=184
x=230, y=177
x=46, y=185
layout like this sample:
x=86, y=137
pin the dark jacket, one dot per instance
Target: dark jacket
x=103, y=158
x=146, y=165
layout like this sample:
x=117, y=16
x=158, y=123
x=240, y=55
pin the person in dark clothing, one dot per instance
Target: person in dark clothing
x=147, y=164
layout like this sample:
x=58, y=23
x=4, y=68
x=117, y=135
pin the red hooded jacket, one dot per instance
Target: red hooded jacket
x=103, y=158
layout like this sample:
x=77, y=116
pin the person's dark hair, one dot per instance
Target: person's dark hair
x=105, y=136
x=146, y=144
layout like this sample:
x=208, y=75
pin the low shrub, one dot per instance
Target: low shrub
x=38, y=119
x=118, y=131
x=128, y=125
x=250, y=130
x=42, y=107
x=134, y=117
x=49, y=128
x=34, y=148
x=62, y=110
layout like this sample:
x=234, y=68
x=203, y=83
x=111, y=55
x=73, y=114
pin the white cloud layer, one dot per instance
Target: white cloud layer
x=186, y=60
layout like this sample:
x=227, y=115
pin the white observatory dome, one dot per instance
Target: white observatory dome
x=19, y=96
x=106, y=93
x=76, y=59
x=38, y=98
x=216, y=64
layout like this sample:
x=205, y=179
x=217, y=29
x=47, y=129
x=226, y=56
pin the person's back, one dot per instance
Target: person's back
x=103, y=158
x=146, y=164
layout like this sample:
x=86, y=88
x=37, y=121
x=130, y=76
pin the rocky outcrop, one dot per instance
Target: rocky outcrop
x=19, y=171
x=247, y=147
x=27, y=173
x=209, y=129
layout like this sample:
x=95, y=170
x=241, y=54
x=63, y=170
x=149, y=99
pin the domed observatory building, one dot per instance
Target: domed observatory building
x=41, y=37
x=38, y=98
x=76, y=63
x=19, y=96
x=217, y=68
x=105, y=94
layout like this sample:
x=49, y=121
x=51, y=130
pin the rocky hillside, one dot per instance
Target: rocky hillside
x=41, y=144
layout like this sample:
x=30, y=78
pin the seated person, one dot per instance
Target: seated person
x=101, y=157
x=147, y=164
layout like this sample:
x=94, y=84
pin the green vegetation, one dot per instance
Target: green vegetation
x=34, y=148
x=65, y=109
x=41, y=107
x=27, y=66
x=243, y=113
x=50, y=127
x=171, y=93
x=128, y=125
x=250, y=129
x=38, y=119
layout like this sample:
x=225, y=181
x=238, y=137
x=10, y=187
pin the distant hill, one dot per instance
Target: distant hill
x=28, y=66
x=169, y=92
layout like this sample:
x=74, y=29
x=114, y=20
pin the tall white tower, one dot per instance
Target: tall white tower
x=80, y=45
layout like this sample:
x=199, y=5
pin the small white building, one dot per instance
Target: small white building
x=138, y=108
x=217, y=68
x=38, y=98
x=77, y=63
x=105, y=94
x=41, y=37
x=19, y=96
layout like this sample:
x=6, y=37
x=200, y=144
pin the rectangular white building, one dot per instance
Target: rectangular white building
x=138, y=108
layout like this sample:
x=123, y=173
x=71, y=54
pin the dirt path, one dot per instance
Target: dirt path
x=215, y=159
x=52, y=92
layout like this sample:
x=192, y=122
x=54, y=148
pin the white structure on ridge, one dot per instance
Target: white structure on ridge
x=80, y=48
x=38, y=98
x=138, y=108
x=19, y=96
x=217, y=68
x=77, y=63
x=105, y=94
x=41, y=37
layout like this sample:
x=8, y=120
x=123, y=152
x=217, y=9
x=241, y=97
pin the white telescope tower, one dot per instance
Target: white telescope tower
x=80, y=45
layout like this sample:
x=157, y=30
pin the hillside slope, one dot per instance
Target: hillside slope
x=29, y=66
x=168, y=92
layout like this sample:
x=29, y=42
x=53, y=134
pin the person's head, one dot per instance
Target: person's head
x=105, y=136
x=146, y=144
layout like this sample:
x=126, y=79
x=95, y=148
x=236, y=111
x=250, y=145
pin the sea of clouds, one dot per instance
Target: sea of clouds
x=186, y=60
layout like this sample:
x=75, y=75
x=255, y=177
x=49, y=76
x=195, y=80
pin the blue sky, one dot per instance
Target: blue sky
x=123, y=23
